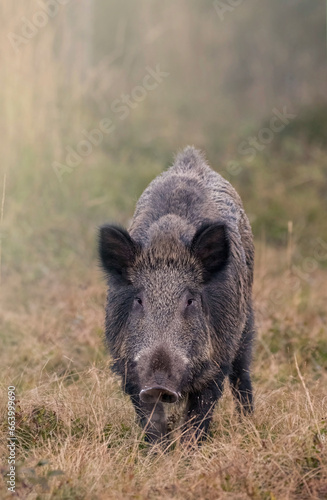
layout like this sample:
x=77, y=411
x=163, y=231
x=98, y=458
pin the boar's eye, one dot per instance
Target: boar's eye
x=188, y=302
x=138, y=306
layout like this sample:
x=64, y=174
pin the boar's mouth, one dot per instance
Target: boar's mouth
x=158, y=393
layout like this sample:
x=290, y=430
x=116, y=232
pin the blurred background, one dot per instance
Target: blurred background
x=97, y=96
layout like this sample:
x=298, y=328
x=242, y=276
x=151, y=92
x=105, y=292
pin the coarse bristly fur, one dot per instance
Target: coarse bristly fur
x=179, y=316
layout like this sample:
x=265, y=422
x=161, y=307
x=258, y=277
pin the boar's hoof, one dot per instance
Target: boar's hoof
x=158, y=393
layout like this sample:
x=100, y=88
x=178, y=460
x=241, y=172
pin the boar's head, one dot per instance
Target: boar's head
x=157, y=324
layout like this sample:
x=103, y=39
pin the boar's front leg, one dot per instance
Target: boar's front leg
x=199, y=410
x=152, y=419
x=240, y=375
x=241, y=384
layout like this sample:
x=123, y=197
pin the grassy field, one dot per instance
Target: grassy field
x=76, y=432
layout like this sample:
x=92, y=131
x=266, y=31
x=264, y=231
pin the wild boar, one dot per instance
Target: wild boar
x=179, y=316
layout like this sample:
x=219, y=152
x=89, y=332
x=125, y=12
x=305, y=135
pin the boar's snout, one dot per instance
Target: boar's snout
x=161, y=372
x=158, y=393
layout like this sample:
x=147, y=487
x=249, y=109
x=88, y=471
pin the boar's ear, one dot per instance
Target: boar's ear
x=117, y=250
x=211, y=246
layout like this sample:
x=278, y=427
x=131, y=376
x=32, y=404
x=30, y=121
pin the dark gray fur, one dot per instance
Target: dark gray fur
x=188, y=257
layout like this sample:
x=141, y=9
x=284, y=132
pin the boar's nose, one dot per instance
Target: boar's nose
x=158, y=393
